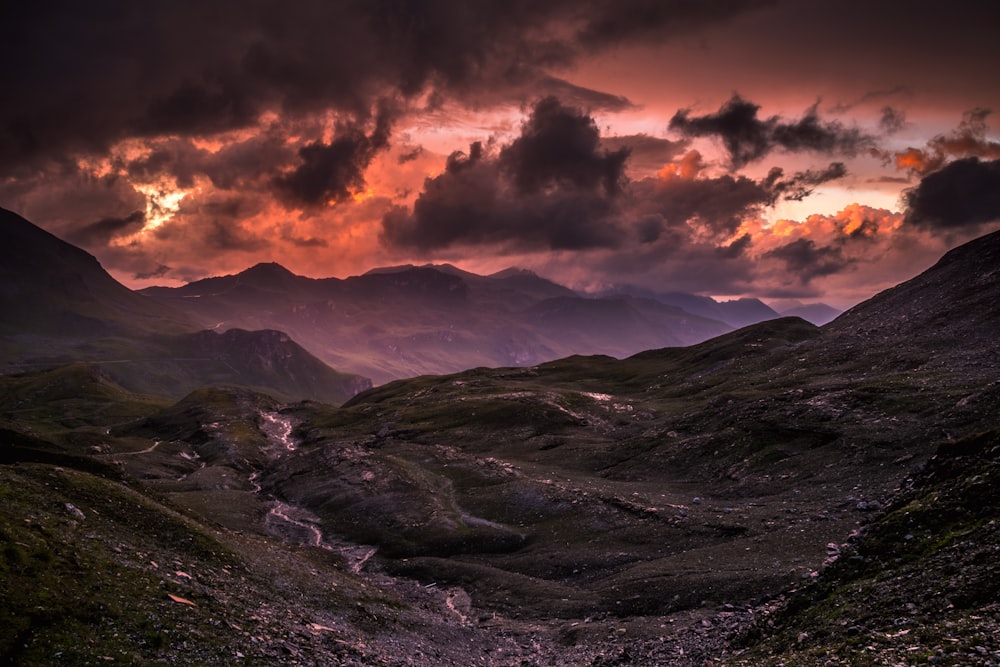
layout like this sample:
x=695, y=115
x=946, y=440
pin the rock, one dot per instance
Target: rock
x=75, y=511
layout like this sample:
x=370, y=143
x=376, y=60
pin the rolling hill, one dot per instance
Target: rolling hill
x=780, y=494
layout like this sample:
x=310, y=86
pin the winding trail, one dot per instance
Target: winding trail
x=360, y=563
x=115, y=455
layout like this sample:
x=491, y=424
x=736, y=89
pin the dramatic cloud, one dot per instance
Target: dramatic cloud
x=710, y=207
x=805, y=259
x=128, y=69
x=552, y=187
x=646, y=154
x=558, y=148
x=892, y=120
x=103, y=231
x=555, y=188
x=190, y=138
x=969, y=139
x=964, y=192
x=748, y=138
x=803, y=183
x=330, y=173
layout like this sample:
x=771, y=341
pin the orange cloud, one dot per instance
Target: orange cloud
x=687, y=168
x=917, y=160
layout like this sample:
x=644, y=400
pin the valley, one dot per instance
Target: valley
x=780, y=493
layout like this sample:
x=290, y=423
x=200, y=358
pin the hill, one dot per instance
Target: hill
x=61, y=307
x=780, y=494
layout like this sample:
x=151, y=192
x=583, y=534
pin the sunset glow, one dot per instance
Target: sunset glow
x=590, y=148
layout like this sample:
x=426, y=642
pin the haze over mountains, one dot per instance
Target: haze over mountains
x=658, y=509
x=398, y=322
x=387, y=324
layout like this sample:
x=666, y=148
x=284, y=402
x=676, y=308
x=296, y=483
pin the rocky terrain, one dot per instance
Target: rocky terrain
x=780, y=494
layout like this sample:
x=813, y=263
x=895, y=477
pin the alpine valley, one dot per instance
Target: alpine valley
x=207, y=475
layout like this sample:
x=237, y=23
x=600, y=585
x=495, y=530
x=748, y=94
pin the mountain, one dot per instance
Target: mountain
x=736, y=312
x=52, y=288
x=817, y=313
x=742, y=312
x=60, y=307
x=779, y=494
x=921, y=580
x=405, y=321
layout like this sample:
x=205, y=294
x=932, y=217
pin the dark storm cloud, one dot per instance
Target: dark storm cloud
x=332, y=172
x=802, y=183
x=646, y=152
x=471, y=203
x=716, y=205
x=806, y=260
x=871, y=97
x=80, y=76
x=969, y=139
x=102, y=231
x=555, y=187
x=410, y=155
x=157, y=272
x=962, y=193
x=748, y=138
x=578, y=95
x=246, y=164
x=559, y=147
x=737, y=248
x=552, y=187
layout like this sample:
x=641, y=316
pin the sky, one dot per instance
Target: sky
x=808, y=150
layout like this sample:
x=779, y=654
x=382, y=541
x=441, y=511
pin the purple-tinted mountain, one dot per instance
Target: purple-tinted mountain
x=736, y=312
x=817, y=313
x=405, y=321
x=60, y=306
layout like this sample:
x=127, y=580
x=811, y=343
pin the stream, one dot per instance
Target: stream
x=293, y=523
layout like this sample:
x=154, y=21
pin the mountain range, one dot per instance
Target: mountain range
x=60, y=306
x=387, y=324
x=403, y=321
x=782, y=493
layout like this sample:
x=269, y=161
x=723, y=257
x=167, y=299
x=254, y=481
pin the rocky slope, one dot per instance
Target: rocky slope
x=781, y=494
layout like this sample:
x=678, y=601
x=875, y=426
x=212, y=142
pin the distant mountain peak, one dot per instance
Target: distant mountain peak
x=268, y=268
x=512, y=271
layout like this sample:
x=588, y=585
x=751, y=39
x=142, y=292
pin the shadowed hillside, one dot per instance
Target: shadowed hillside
x=780, y=494
x=61, y=307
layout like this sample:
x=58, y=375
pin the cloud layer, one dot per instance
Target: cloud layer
x=184, y=139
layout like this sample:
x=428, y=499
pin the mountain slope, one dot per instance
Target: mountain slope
x=920, y=583
x=61, y=307
x=797, y=430
x=405, y=321
x=658, y=509
x=50, y=287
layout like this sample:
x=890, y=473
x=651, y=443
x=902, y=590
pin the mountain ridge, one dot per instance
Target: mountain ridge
x=671, y=507
x=60, y=306
x=410, y=320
